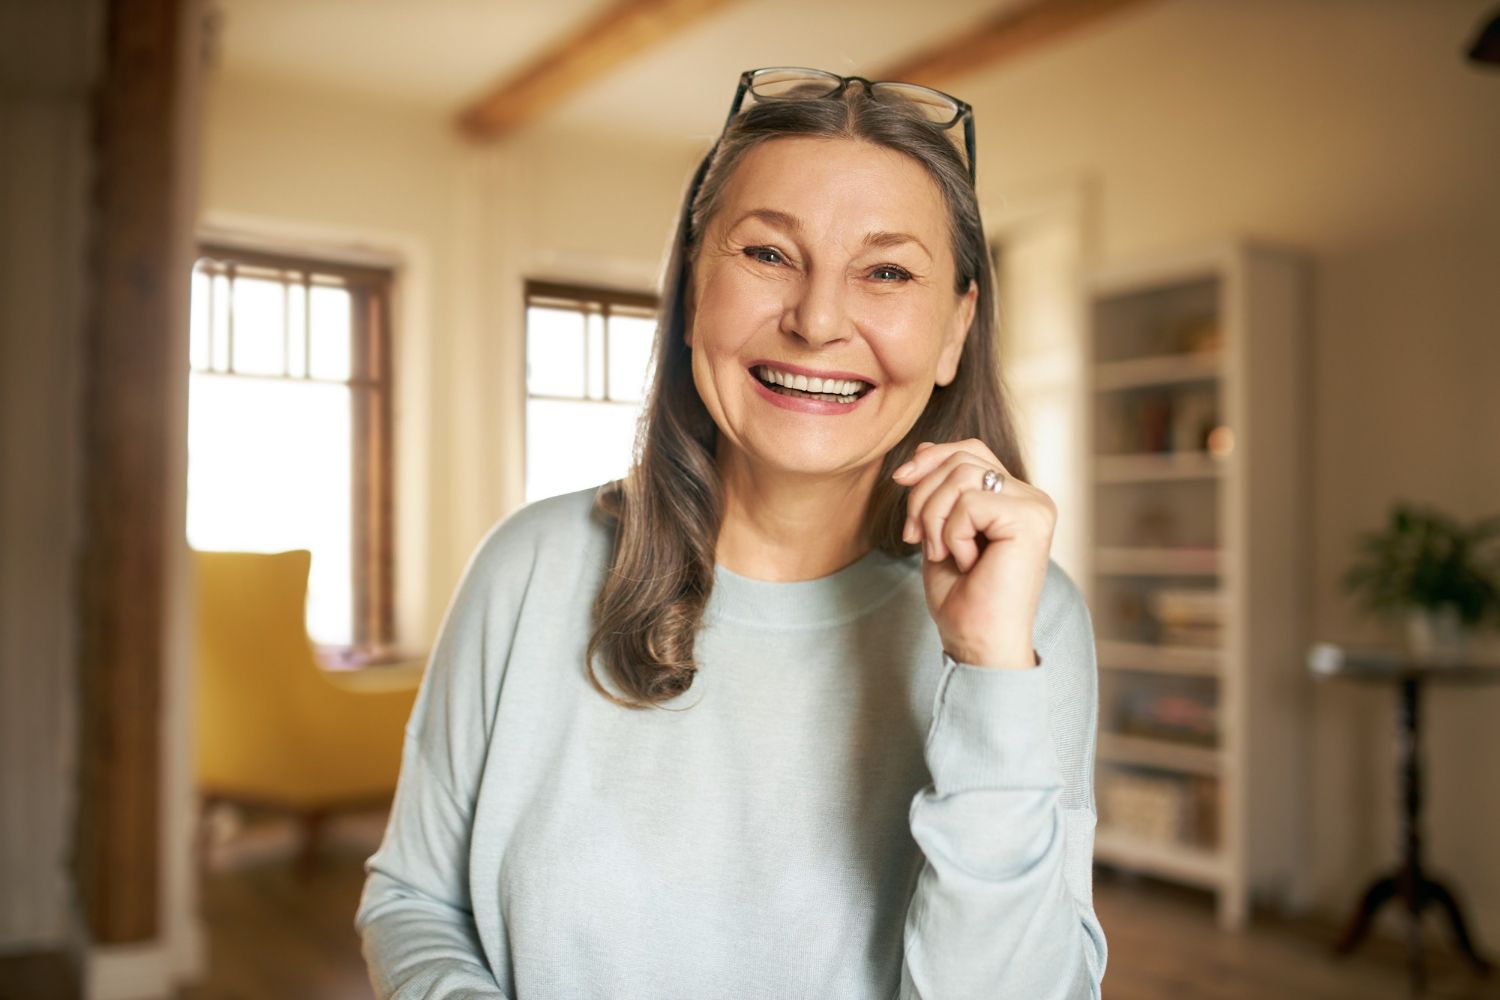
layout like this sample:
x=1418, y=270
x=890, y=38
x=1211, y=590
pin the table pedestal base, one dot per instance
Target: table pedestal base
x=1416, y=891
x=1408, y=882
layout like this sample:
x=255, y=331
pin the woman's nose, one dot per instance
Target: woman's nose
x=817, y=311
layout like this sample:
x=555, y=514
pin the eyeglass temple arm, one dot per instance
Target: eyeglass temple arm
x=739, y=97
x=969, y=144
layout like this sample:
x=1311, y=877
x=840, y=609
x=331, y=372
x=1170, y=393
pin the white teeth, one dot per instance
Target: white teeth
x=831, y=388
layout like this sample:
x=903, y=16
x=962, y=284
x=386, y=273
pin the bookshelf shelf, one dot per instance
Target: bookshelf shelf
x=1155, y=467
x=1143, y=751
x=1196, y=569
x=1197, y=866
x=1161, y=658
x=1162, y=369
x=1143, y=561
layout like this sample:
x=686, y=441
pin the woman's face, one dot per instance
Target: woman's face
x=827, y=259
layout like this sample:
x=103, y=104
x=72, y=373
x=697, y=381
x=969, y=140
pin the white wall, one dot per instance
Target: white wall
x=1351, y=128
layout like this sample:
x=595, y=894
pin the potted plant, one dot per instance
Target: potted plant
x=1428, y=568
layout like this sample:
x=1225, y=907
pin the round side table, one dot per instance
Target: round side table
x=1409, y=882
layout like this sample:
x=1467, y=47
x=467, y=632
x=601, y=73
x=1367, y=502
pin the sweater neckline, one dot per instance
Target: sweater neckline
x=842, y=595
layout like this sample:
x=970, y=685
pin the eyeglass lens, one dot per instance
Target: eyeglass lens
x=781, y=83
x=792, y=83
x=940, y=109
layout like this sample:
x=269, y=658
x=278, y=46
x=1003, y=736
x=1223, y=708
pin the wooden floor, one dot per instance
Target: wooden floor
x=275, y=936
x=1163, y=943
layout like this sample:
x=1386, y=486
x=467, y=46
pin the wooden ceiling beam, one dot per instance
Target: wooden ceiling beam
x=619, y=31
x=1006, y=34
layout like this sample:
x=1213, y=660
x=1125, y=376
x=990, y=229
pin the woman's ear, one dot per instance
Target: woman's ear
x=958, y=331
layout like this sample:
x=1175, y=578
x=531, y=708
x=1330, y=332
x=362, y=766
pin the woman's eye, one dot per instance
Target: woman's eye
x=765, y=254
x=895, y=273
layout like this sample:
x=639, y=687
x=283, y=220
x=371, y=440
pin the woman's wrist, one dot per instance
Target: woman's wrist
x=1012, y=659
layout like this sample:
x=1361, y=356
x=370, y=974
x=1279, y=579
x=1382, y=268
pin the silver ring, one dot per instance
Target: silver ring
x=993, y=481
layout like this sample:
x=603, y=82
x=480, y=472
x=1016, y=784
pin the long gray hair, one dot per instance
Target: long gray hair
x=667, y=509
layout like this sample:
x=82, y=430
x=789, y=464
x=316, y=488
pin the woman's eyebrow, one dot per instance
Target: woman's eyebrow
x=775, y=217
x=888, y=239
x=879, y=238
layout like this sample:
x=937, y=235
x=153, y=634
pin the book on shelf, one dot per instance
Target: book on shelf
x=1149, y=806
x=1169, y=810
x=1187, y=605
x=1170, y=715
x=1205, y=811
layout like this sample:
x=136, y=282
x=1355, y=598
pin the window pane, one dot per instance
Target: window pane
x=596, y=355
x=269, y=470
x=629, y=355
x=573, y=445
x=330, y=332
x=198, y=339
x=258, y=313
x=554, y=352
x=297, y=363
x=218, y=356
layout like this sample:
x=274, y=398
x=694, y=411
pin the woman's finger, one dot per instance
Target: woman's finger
x=965, y=474
x=977, y=513
x=922, y=490
x=929, y=456
x=926, y=471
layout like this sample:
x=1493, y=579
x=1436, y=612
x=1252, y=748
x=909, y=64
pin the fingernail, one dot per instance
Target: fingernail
x=932, y=549
x=903, y=471
x=908, y=531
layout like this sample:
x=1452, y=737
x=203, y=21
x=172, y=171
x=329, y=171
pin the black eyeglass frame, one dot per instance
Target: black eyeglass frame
x=963, y=110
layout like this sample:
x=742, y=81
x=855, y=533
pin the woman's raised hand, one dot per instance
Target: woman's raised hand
x=984, y=553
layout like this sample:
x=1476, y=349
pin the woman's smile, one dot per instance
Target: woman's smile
x=809, y=391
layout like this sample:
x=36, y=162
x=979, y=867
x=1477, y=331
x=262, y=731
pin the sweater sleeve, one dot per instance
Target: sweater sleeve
x=1003, y=903
x=414, y=919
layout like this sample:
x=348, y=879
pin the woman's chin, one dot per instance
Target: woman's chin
x=813, y=464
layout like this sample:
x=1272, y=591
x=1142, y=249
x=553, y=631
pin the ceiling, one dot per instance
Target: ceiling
x=444, y=54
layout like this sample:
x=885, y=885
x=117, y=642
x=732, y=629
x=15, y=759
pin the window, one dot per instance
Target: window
x=588, y=355
x=289, y=444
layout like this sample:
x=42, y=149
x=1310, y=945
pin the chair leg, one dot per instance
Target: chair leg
x=312, y=835
x=203, y=833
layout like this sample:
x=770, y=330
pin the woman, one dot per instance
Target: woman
x=874, y=774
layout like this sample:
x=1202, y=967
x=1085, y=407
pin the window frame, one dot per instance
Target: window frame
x=588, y=300
x=372, y=386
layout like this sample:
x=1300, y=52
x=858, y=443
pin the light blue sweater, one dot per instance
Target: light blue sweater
x=835, y=809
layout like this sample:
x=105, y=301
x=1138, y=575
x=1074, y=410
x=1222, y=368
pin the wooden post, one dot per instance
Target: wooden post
x=129, y=364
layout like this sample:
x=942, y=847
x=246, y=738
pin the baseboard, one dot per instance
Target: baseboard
x=129, y=972
x=153, y=971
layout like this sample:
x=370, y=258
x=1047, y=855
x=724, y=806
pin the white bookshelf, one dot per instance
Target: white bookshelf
x=1197, y=500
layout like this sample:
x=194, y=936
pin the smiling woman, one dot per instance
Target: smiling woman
x=884, y=784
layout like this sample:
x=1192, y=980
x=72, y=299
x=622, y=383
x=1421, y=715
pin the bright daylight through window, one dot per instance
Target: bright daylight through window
x=288, y=428
x=588, y=352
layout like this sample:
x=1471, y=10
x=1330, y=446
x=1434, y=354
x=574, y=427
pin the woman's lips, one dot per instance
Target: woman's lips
x=802, y=404
x=809, y=372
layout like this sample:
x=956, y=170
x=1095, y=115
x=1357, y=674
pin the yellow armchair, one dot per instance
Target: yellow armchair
x=274, y=728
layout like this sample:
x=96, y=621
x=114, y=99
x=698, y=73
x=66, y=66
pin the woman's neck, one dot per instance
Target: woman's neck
x=784, y=527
